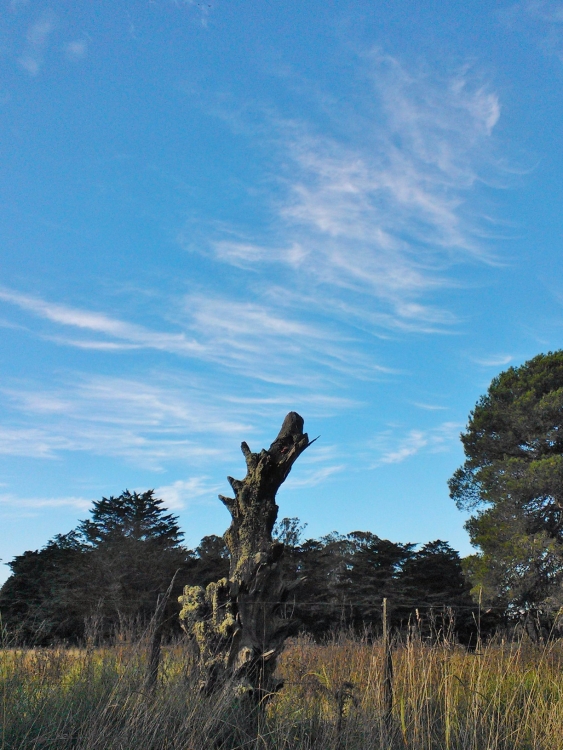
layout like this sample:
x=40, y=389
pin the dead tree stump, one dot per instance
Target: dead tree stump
x=236, y=622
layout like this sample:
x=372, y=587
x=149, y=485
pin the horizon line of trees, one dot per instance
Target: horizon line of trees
x=108, y=574
x=112, y=568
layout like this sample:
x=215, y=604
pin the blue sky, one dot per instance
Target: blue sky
x=214, y=213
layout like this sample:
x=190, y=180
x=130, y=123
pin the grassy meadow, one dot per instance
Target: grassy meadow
x=507, y=695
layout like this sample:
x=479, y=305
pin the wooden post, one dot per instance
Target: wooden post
x=387, y=667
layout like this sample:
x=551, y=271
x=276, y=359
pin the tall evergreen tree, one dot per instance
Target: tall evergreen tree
x=323, y=600
x=133, y=549
x=433, y=576
x=512, y=480
x=436, y=589
x=113, y=567
x=116, y=563
x=133, y=516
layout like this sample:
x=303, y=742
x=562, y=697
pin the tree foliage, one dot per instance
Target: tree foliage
x=114, y=574
x=30, y=604
x=133, y=516
x=132, y=549
x=346, y=577
x=512, y=480
x=112, y=568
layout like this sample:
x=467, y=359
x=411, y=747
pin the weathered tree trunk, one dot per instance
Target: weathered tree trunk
x=236, y=621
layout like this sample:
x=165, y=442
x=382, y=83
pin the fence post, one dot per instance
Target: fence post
x=387, y=667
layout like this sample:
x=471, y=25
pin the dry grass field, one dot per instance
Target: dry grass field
x=506, y=696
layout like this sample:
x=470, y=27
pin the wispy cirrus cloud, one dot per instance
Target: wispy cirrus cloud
x=377, y=214
x=151, y=423
x=227, y=332
x=318, y=465
x=369, y=226
x=540, y=20
x=29, y=503
x=155, y=421
x=31, y=59
x=313, y=477
x=151, y=420
x=76, y=50
x=185, y=492
x=128, y=335
x=394, y=450
x=494, y=360
x=149, y=448
x=429, y=407
x=238, y=333
x=371, y=219
x=30, y=441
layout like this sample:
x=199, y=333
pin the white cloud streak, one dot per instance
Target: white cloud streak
x=371, y=222
x=145, y=423
x=382, y=213
x=494, y=360
x=542, y=20
x=155, y=422
x=369, y=227
x=37, y=39
x=14, y=502
x=36, y=442
x=231, y=333
x=312, y=478
x=76, y=50
x=150, y=421
x=186, y=492
x=430, y=407
x=394, y=450
x=131, y=335
x=238, y=334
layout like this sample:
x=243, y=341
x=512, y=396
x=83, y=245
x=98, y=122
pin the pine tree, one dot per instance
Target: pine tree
x=113, y=566
x=133, y=549
x=512, y=480
x=133, y=516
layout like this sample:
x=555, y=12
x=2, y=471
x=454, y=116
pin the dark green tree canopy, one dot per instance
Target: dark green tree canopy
x=433, y=575
x=514, y=442
x=133, y=548
x=212, y=561
x=134, y=516
x=512, y=480
x=28, y=599
x=113, y=566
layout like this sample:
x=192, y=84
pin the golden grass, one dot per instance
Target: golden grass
x=509, y=696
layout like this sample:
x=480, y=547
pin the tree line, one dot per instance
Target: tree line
x=109, y=572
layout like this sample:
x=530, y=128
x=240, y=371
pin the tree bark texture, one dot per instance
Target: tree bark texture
x=236, y=622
